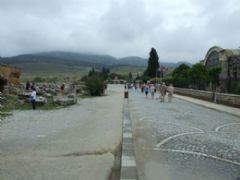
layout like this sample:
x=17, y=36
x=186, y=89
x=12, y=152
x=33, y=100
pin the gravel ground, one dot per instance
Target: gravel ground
x=78, y=142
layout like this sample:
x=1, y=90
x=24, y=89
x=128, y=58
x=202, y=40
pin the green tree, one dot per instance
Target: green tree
x=180, y=76
x=214, y=76
x=198, y=76
x=91, y=72
x=153, y=64
x=39, y=79
x=105, y=73
x=130, y=77
x=169, y=80
x=137, y=77
x=105, y=70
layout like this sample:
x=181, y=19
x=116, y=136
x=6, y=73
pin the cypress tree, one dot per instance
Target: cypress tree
x=153, y=64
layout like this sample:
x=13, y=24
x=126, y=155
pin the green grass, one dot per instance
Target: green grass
x=57, y=76
x=61, y=72
x=12, y=102
x=49, y=70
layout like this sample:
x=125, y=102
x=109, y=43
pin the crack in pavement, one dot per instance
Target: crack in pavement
x=75, y=154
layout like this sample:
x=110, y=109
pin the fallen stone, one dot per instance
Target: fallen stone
x=41, y=100
x=65, y=101
x=24, y=95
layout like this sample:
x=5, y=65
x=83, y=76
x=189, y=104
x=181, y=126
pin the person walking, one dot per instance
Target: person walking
x=170, y=91
x=163, y=90
x=152, y=90
x=146, y=90
x=62, y=89
x=33, y=98
x=28, y=85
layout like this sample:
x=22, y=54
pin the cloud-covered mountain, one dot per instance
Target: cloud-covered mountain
x=61, y=60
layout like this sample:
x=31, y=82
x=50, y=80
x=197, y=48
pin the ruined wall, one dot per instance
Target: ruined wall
x=221, y=98
x=9, y=76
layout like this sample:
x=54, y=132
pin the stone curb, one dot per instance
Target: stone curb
x=128, y=165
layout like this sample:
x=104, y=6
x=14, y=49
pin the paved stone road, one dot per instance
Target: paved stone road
x=184, y=141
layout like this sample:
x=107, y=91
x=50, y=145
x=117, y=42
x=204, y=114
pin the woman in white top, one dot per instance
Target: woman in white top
x=33, y=98
x=152, y=90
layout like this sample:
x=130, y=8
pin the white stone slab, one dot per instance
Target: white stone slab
x=127, y=135
x=128, y=161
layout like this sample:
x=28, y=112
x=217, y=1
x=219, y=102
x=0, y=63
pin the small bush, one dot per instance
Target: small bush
x=95, y=85
x=38, y=79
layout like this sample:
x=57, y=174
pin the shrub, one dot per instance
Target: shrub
x=38, y=79
x=95, y=85
x=168, y=79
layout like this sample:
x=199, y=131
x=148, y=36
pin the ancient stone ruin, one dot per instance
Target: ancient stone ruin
x=9, y=76
x=10, y=84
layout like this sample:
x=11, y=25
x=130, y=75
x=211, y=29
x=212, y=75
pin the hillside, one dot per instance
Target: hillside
x=132, y=60
x=65, y=63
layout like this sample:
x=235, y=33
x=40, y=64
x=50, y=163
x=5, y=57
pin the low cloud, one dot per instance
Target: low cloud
x=178, y=30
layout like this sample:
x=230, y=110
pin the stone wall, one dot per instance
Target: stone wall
x=206, y=95
x=221, y=98
x=228, y=99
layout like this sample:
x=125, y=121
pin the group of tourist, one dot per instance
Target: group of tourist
x=158, y=91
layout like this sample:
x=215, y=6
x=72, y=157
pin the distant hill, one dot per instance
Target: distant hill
x=71, y=59
x=138, y=61
x=65, y=62
x=174, y=65
x=82, y=58
x=132, y=60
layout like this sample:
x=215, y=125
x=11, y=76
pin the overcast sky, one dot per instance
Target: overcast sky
x=180, y=30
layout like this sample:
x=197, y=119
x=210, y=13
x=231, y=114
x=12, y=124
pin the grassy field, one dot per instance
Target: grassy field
x=52, y=71
x=65, y=73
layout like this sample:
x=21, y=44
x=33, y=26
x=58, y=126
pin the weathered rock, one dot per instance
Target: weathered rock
x=24, y=95
x=51, y=91
x=71, y=96
x=48, y=95
x=10, y=74
x=3, y=82
x=41, y=100
x=65, y=101
x=80, y=87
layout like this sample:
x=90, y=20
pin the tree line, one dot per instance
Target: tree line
x=197, y=76
x=184, y=76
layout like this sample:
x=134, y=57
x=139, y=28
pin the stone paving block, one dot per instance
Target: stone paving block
x=128, y=152
x=127, y=135
x=127, y=140
x=128, y=161
x=127, y=146
x=129, y=173
x=127, y=130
